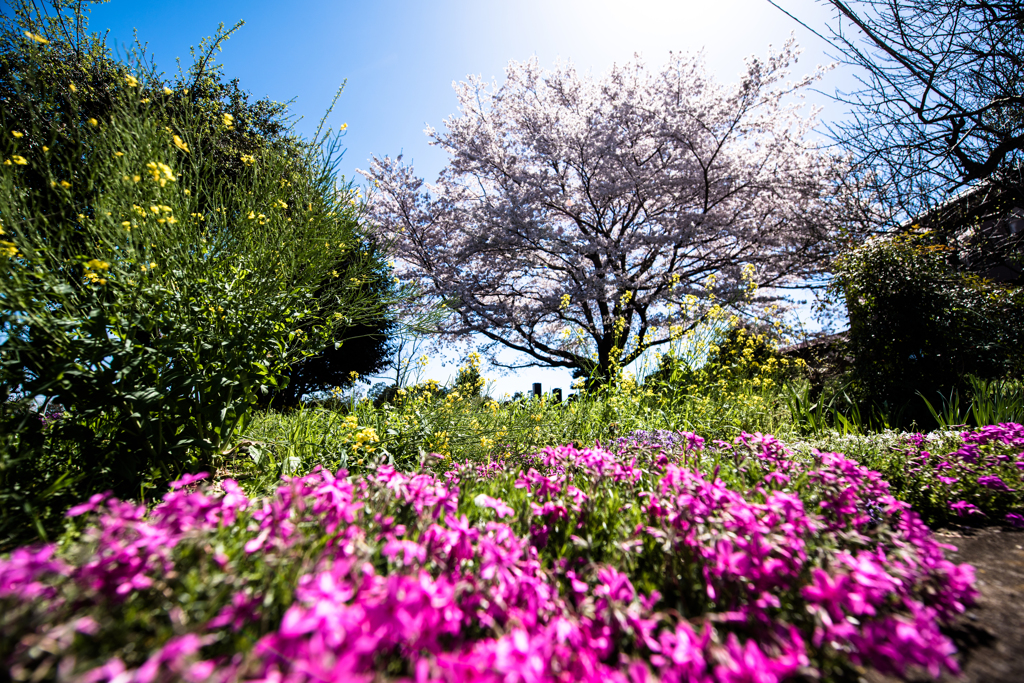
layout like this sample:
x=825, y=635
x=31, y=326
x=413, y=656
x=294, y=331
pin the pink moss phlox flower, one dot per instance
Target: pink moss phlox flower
x=242, y=609
x=969, y=453
x=500, y=508
x=538, y=484
x=768, y=449
x=681, y=655
x=897, y=642
x=20, y=573
x=188, y=479
x=614, y=585
x=1016, y=519
x=847, y=485
x=1009, y=433
x=412, y=552
x=175, y=657
x=447, y=600
x=748, y=663
x=916, y=439
x=94, y=501
x=963, y=508
x=995, y=483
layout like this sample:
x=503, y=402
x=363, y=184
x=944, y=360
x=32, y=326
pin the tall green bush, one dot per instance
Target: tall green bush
x=150, y=293
x=919, y=325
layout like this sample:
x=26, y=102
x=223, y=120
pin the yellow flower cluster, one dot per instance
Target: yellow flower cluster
x=160, y=172
x=364, y=437
x=94, y=270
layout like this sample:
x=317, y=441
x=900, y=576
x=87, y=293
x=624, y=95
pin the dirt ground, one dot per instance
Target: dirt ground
x=990, y=635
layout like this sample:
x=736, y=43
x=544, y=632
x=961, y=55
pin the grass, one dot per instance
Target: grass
x=461, y=424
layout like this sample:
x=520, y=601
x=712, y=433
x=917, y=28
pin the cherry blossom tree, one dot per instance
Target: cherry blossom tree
x=582, y=221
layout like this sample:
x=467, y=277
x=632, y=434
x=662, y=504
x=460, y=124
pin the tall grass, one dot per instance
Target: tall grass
x=430, y=421
x=987, y=403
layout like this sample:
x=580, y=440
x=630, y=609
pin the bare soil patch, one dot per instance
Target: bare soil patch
x=990, y=635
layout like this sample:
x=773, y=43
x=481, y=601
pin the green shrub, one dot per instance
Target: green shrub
x=149, y=292
x=917, y=325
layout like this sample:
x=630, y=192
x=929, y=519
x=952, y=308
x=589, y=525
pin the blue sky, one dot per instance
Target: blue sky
x=400, y=58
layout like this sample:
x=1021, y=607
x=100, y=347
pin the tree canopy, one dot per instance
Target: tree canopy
x=941, y=97
x=582, y=221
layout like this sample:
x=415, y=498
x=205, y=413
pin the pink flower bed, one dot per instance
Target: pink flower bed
x=580, y=565
x=982, y=481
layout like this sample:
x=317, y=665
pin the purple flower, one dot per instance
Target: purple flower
x=475, y=603
x=963, y=508
x=496, y=504
x=1015, y=519
x=93, y=502
x=188, y=479
x=993, y=482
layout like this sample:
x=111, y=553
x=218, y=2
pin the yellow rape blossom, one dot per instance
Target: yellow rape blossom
x=161, y=172
x=132, y=81
x=93, y=122
x=180, y=144
x=36, y=37
x=228, y=120
x=8, y=249
x=17, y=134
x=93, y=265
x=248, y=159
x=19, y=160
x=168, y=91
